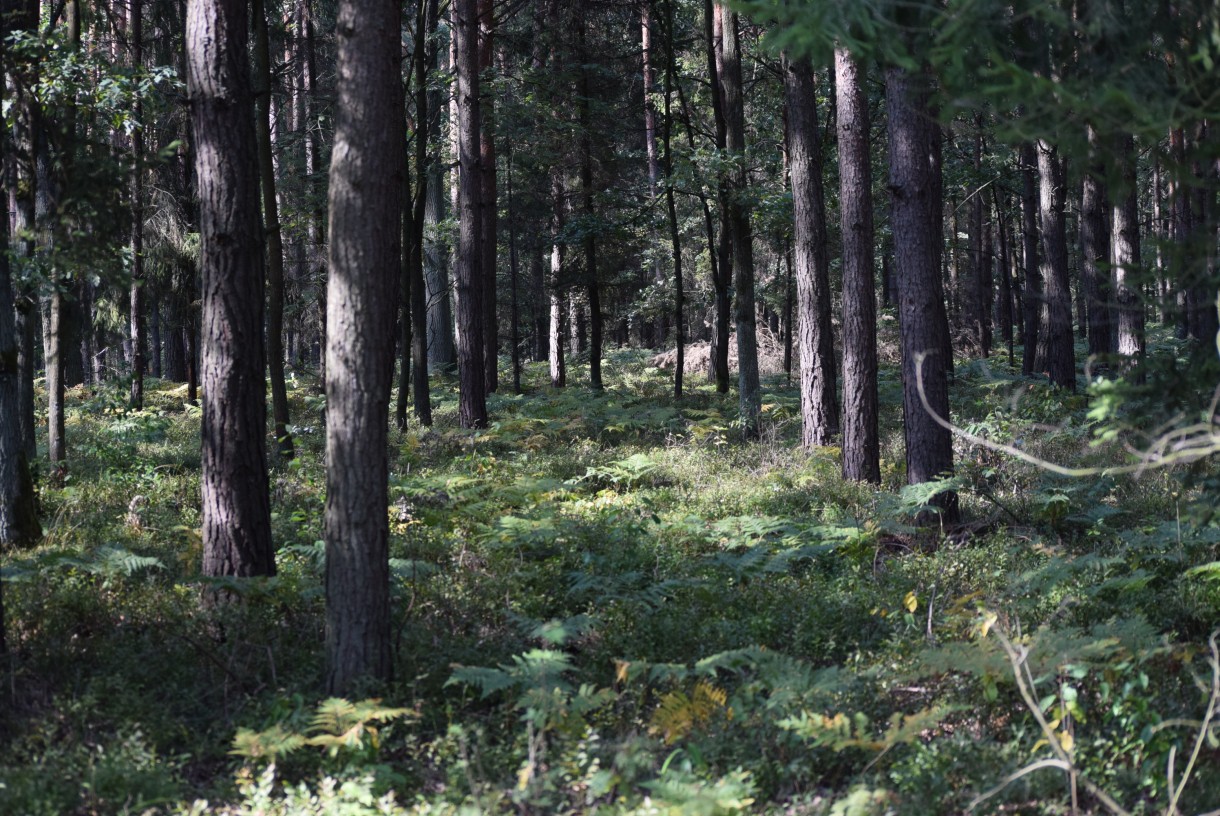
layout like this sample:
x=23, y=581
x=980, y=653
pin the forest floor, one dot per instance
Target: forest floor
x=608, y=603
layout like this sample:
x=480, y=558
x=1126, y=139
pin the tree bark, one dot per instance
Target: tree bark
x=1031, y=302
x=367, y=178
x=138, y=341
x=1128, y=269
x=916, y=223
x=469, y=275
x=861, y=447
x=488, y=205
x=729, y=70
x=236, y=503
x=815, y=346
x=722, y=267
x=19, y=526
x=675, y=237
x=558, y=367
x=1052, y=193
x=592, y=289
x=274, y=237
x=1095, y=257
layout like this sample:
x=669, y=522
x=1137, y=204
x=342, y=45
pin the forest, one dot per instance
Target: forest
x=625, y=407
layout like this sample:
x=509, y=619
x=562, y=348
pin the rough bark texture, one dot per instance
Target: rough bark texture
x=1127, y=260
x=861, y=448
x=274, y=238
x=722, y=266
x=488, y=207
x=136, y=302
x=1095, y=258
x=729, y=70
x=558, y=368
x=236, y=504
x=367, y=177
x=1031, y=302
x=18, y=505
x=592, y=289
x=469, y=275
x=917, y=226
x=819, y=411
x=1052, y=194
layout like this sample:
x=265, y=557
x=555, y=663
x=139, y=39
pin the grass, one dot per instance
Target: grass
x=607, y=603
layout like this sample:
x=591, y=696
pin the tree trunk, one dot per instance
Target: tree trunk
x=1031, y=302
x=138, y=341
x=19, y=526
x=426, y=23
x=236, y=503
x=815, y=346
x=1095, y=257
x=590, y=239
x=1128, y=269
x=274, y=239
x=722, y=268
x=675, y=237
x=729, y=70
x=469, y=275
x=558, y=368
x=441, y=350
x=488, y=205
x=367, y=178
x=1052, y=192
x=861, y=448
x=916, y=223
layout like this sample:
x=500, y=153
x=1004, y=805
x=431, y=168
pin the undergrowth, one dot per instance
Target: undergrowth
x=607, y=603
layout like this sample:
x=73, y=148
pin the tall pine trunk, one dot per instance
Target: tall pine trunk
x=236, y=503
x=819, y=411
x=861, y=448
x=1052, y=194
x=916, y=223
x=367, y=178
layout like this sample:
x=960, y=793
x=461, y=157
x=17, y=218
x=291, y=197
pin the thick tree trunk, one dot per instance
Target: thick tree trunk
x=470, y=277
x=1052, y=193
x=19, y=526
x=272, y=233
x=861, y=448
x=367, y=178
x=729, y=71
x=815, y=346
x=236, y=503
x=917, y=226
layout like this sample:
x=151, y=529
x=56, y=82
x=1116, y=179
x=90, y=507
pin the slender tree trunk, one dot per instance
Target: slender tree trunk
x=426, y=22
x=819, y=412
x=367, y=178
x=592, y=289
x=488, y=205
x=916, y=224
x=1095, y=258
x=1061, y=355
x=1128, y=269
x=236, y=502
x=514, y=307
x=1031, y=303
x=441, y=350
x=470, y=277
x=274, y=238
x=1005, y=316
x=722, y=269
x=555, y=329
x=861, y=448
x=729, y=72
x=138, y=341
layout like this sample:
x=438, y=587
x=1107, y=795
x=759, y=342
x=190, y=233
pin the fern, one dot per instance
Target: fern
x=678, y=713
